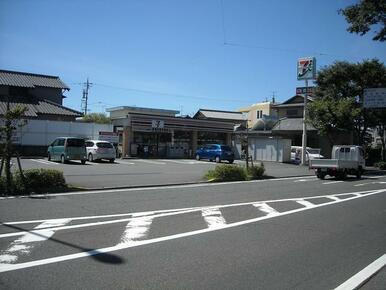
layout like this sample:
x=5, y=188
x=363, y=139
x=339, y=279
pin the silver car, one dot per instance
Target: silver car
x=97, y=150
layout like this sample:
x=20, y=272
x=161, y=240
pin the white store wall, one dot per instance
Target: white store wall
x=43, y=132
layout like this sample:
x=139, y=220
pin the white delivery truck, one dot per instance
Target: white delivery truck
x=346, y=159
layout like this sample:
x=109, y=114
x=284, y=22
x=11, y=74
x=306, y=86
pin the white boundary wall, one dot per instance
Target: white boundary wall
x=43, y=132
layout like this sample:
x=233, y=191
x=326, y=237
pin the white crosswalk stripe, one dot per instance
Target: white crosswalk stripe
x=138, y=226
x=24, y=244
x=213, y=217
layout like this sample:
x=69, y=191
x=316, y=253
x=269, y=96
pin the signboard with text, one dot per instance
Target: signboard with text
x=111, y=137
x=306, y=69
x=304, y=90
x=374, y=98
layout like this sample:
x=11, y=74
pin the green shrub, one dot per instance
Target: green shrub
x=40, y=181
x=381, y=165
x=225, y=172
x=256, y=172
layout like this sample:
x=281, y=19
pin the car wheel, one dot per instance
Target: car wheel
x=230, y=161
x=90, y=158
x=49, y=157
x=62, y=159
x=320, y=175
x=359, y=173
x=197, y=157
x=112, y=160
x=218, y=160
x=83, y=162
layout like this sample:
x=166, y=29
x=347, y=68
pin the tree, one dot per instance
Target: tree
x=339, y=96
x=364, y=15
x=98, y=118
x=12, y=120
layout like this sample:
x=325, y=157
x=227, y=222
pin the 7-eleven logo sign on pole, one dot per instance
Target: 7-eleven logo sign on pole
x=306, y=68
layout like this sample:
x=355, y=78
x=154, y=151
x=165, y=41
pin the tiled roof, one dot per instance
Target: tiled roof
x=223, y=115
x=29, y=80
x=37, y=107
x=291, y=124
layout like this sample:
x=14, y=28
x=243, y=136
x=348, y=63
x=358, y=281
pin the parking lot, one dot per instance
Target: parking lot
x=141, y=172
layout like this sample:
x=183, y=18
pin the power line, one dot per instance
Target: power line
x=84, y=103
x=168, y=94
x=236, y=44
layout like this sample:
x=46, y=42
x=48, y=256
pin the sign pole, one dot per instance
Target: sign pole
x=304, y=139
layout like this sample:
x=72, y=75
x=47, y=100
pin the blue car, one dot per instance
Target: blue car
x=215, y=152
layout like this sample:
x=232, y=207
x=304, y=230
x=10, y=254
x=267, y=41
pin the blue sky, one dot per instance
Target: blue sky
x=170, y=54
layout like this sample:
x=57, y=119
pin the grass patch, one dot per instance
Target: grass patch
x=225, y=172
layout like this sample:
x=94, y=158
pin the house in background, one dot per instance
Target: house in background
x=290, y=126
x=46, y=116
x=260, y=116
x=41, y=94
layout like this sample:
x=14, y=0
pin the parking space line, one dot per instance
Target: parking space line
x=43, y=161
x=125, y=162
x=332, y=182
x=150, y=161
x=185, y=162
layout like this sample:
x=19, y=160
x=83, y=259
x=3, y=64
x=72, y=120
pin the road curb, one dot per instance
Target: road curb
x=176, y=184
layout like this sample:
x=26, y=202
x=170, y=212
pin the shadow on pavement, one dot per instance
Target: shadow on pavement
x=95, y=254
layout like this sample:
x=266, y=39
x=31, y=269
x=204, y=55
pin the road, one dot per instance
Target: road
x=140, y=172
x=290, y=233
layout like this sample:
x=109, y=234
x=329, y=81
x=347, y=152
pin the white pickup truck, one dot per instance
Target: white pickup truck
x=346, y=159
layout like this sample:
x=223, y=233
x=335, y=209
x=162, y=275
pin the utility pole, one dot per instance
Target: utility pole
x=87, y=86
x=304, y=139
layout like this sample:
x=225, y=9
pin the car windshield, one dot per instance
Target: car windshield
x=75, y=142
x=313, y=151
x=226, y=148
x=104, y=145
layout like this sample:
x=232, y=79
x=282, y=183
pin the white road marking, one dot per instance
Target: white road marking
x=13, y=267
x=332, y=182
x=158, y=187
x=161, y=213
x=306, y=203
x=150, y=161
x=213, y=217
x=302, y=180
x=136, y=229
x=136, y=214
x=186, y=162
x=361, y=277
x=24, y=244
x=125, y=162
x=368, y=183
x=262, y=206
x=332, y=197
x=45, y=161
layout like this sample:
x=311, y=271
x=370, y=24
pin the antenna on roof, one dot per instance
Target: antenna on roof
x=273, y=97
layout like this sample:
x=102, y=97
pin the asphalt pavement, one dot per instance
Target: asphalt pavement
x=285, y=233
x=147, y=172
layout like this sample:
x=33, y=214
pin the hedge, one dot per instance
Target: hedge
x=36, y=181
x=226, y=172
